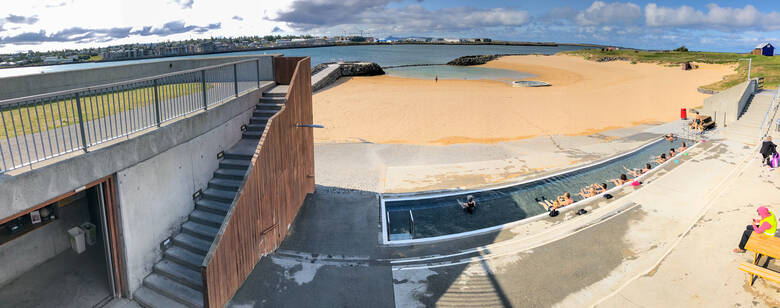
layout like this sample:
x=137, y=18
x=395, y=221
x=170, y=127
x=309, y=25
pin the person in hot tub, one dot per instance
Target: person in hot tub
x=562, y=200
x=470, y=205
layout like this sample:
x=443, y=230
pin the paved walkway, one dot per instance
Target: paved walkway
x=630, y=251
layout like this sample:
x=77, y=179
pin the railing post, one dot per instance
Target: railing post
x=258, y=73
x=235, y=78
x=156, y=102
x=81, y=123
x=203, y=86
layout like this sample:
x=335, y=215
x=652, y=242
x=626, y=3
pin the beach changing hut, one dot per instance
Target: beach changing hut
x=765, y=49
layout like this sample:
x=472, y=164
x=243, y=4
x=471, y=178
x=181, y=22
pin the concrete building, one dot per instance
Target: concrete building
x=136, y=213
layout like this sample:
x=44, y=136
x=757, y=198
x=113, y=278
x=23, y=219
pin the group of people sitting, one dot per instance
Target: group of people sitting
x=599, y=188
x=672, y=152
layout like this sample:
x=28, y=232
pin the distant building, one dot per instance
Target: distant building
x=451, y=40
x=765, y=49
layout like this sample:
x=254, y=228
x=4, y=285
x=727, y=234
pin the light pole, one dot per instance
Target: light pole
x=750, y=64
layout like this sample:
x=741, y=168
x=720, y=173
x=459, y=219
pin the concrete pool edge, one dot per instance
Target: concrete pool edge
x=576, y=205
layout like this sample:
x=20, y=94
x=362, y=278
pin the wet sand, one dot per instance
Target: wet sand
x=586, y=97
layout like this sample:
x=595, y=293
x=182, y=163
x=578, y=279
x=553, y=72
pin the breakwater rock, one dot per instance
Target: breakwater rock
x=327, y=73
x=473, y=60
x=361, y=69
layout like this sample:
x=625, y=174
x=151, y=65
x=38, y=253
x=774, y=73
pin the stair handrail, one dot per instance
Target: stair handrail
x=773, y=105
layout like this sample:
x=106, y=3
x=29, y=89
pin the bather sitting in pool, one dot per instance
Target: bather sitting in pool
x=670, y=137
x=561, y=201
x=470, y=205
x=589, y=192
x=600, y=188
x=621, y=180
x=593, y=189
x=661, y=159
x=683, y=147
x=638, y=172
x=672, y=153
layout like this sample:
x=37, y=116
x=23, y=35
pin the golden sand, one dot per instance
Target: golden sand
x=586, y=97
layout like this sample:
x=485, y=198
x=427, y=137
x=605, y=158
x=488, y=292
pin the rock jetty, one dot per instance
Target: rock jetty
x=473, y=60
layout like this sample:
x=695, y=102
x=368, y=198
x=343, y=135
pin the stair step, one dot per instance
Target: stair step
x=258, y=120
x=270, y=105
x=202, y=231
x=224, y=184
x=185, y=257
x=272, y=93
x=264, y=112
x=234, y=164
x=212, y=206
x=255, y=128
x=192, y=243
x=232, y=174
x=174, y=290
x=224, y=196
x=179, y=273
x=252, y=134
x=206, y=218
x=151, y=299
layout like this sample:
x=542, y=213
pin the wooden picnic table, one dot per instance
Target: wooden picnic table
x=762, y=245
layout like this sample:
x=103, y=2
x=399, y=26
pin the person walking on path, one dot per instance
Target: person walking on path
x=766, y=226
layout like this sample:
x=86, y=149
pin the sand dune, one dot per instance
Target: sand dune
x=585, y=97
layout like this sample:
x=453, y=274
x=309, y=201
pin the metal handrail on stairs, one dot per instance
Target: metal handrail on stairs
x=773, y=105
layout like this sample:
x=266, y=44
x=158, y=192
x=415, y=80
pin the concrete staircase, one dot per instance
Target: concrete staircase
x=176, y=280
x=746, y=128
x=472, y=291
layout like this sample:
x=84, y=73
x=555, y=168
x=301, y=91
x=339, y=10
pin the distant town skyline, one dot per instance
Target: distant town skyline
x=45, y=25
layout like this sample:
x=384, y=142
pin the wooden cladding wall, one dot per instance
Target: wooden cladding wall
x=284, y=68
x=280, y=177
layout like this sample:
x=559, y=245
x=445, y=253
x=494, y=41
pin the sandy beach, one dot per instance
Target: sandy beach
x=586, y=97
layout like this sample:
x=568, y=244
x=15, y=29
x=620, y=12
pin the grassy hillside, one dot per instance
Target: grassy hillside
x=767, y=67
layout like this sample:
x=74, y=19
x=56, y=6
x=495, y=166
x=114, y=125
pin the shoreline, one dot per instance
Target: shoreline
x=585, y=98
x=497, y=43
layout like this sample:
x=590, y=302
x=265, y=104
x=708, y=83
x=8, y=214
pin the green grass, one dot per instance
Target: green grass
x=63, y=112
x=767, y=67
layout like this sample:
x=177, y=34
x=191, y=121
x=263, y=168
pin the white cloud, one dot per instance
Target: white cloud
x=609, y=13
x=104, y=19
x=722, y=18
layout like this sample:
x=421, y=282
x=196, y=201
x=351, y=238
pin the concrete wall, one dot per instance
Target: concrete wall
x=156, y=195
x=28, y=85
x=725, y=107
x=33, y=187
x=38, y=246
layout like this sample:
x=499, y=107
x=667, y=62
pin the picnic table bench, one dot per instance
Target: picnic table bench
x=702, y=122
x=762, y=245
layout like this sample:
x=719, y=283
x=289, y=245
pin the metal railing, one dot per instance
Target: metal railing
x=772, y=106
x=41, y=127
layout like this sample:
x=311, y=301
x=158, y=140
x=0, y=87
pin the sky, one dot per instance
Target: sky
x=44, y=25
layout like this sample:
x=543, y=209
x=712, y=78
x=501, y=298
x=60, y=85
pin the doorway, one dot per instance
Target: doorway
x=64, y=252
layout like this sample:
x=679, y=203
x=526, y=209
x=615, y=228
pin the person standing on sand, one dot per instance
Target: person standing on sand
x=766, y=226
x=436, y=79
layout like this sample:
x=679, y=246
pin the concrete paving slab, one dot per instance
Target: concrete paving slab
x=283, y=282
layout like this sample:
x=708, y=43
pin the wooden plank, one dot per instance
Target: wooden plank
x=765, y=245
x=280, y=177
x=760, y=271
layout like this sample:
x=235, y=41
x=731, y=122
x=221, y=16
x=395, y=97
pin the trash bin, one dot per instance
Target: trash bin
x=683, y=114
x=77, y=239
x=90, y=232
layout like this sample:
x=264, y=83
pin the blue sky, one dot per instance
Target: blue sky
x=662, y=24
